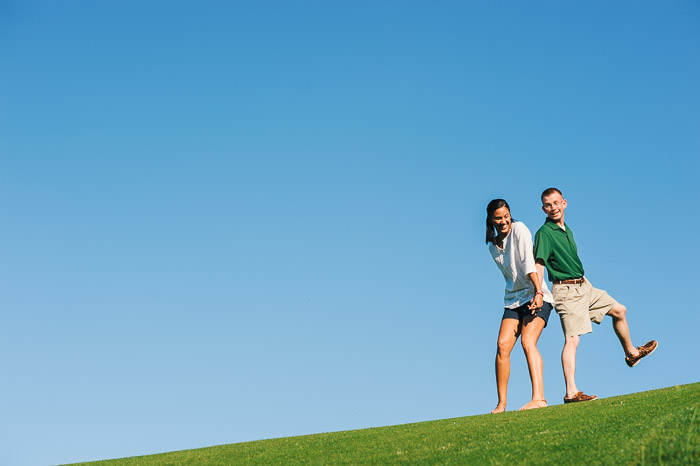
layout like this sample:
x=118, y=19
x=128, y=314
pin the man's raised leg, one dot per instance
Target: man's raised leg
x=633, y=354
x=622, y=330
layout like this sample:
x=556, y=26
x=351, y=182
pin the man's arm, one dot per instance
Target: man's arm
x=537, y=278
x=539, y=265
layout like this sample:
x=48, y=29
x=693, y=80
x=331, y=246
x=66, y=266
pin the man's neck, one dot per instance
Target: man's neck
x=560, y=223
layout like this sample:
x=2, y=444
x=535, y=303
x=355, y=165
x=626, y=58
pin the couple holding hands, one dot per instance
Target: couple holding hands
x=528, y=302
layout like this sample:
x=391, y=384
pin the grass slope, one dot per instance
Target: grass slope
x=655, y=427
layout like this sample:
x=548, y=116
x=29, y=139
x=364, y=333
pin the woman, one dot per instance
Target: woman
x=527, y=300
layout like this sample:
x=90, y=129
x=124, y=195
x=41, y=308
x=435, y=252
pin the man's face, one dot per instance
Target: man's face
x=502, y=221
x=554, y=205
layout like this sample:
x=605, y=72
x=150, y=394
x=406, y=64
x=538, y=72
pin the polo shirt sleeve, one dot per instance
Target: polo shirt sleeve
x=543, y=245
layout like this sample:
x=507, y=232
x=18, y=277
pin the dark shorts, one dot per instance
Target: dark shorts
x=519, y=313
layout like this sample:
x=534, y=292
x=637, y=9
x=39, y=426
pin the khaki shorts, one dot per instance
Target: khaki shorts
x=579, y=305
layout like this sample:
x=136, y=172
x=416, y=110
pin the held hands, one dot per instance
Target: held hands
x=536, y=303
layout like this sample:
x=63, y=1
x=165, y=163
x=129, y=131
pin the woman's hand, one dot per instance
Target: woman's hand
x=538, y=300
x=536, y=303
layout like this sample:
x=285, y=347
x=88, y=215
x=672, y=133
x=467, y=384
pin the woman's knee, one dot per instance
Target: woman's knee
x=531, y=334
x=505, y=346
x=529, y=343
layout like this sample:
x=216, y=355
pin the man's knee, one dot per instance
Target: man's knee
x=618, y=311
x=571, y=342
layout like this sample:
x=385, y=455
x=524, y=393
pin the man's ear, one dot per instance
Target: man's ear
x=544, y=210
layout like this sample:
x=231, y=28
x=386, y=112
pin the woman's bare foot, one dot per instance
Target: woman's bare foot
x=499, y=409
x=534, y=404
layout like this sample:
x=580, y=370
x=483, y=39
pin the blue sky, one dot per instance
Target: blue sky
x=229, y=221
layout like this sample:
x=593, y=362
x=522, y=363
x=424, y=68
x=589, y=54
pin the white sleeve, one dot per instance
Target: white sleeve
x=523, y=239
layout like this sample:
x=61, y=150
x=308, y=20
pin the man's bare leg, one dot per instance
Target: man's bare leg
x=507, y=336
x=568, y=363
x=619, y=316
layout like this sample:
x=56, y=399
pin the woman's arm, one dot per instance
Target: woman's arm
x=537, y=300
x=523, y=240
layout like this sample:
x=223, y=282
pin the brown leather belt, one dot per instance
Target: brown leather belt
x=573, y=281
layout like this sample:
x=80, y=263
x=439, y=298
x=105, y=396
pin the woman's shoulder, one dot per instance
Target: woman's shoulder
x=520, y=228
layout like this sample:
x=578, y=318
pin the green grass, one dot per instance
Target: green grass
x=655, y=427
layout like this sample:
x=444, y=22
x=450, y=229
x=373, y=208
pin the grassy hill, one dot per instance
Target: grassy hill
x=655, y=427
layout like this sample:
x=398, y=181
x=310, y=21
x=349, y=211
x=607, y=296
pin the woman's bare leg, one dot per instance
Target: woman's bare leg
x=507, y=336
x=531, y=331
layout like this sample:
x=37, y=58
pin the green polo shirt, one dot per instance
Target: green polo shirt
x=557, y=248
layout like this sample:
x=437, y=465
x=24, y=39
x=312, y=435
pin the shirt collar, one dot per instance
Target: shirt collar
x=553, y=225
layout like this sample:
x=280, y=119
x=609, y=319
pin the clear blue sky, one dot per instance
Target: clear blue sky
x=229, y=221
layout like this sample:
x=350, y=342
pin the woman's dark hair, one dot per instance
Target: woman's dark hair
x=493, y=206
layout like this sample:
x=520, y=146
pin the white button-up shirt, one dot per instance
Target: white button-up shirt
x=516, y=261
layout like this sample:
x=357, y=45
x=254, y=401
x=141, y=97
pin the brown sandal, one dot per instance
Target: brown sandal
x=580, y=396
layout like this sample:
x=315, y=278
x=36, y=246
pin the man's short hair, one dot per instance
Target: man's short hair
x=550, y=191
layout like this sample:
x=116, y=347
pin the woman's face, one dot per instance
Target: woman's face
x=501, y=220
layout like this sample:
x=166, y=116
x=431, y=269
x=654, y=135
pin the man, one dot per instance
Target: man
x=576, y=301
